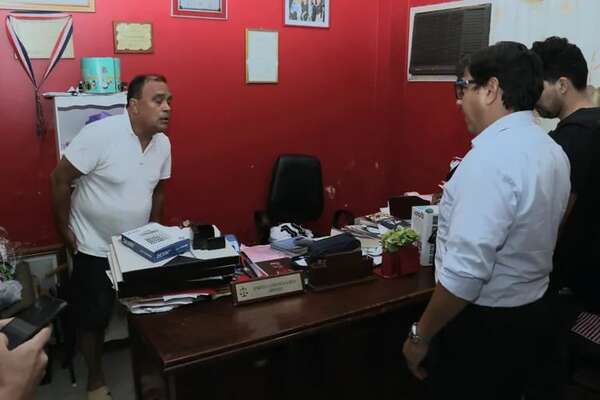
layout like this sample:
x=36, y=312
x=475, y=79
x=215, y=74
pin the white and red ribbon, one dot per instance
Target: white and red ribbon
x=59, y=48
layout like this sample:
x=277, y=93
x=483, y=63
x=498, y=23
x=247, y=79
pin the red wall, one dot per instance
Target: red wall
x=427, y=127
x=225, y=134
x=343, y=96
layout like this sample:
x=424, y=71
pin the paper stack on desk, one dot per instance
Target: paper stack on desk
x=134, y=275
x=270, y=272
x=168, y=302
x=253, y=256
x=363, y=231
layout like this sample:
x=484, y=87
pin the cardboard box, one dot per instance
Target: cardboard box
x=424, y=221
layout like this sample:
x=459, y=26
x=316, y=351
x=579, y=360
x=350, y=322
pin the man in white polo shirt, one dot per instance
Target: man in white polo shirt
x=487, y=320
x=118, y=166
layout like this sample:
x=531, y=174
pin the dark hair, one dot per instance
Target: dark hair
x=561, y=58
x=136, y=86
x=518, y=70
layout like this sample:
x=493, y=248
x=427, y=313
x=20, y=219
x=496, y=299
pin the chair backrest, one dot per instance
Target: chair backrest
x=296, y=193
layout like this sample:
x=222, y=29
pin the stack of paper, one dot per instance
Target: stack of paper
x=252, y=255
x=158, y=304
x=133, y=275
x=361, y=231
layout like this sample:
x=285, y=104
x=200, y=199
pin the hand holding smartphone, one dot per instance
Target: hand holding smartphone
x=30, y=321
x=22, y=369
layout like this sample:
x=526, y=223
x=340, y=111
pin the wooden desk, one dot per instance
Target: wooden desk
x=343, y=342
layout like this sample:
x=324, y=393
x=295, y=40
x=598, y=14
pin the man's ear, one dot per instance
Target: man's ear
x=563, y=84
x=133, y=105
x=492, y=90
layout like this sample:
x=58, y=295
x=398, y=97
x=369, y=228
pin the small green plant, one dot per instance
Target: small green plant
x=394, y=240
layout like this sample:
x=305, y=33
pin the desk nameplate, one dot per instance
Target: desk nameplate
x=266, y=288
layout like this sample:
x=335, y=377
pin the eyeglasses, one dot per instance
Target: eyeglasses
x=460, y=85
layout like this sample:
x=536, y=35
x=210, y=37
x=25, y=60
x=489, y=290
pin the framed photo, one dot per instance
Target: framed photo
x=311, y=13
x=50, y=5
x=210, y=9
x=46, y=263
x=133, y=37
x=262, y=56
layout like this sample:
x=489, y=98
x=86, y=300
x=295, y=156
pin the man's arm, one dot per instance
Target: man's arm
x=158, y=197
x=61, y=180
x=579, y=144
x=565, y=218
x=442, y=308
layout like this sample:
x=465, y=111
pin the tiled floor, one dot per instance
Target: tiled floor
x=117, y=367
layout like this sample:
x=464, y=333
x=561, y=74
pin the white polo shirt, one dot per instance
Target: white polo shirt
x=499, y=215
x=114, y=194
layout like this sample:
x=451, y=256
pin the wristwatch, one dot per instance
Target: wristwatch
x=414, y=337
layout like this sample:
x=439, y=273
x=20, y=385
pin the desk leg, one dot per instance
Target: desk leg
x=148, y=378
x=136, y=351
x=172, y=387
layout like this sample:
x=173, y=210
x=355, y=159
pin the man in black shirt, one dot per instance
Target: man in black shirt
x=578, y=132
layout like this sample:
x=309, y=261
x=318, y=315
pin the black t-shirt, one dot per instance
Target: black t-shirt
x=578, y=245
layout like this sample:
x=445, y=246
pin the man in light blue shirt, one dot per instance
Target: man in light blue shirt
x=498, y=224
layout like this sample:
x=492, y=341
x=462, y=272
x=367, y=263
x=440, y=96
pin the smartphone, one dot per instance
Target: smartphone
x=30, y=321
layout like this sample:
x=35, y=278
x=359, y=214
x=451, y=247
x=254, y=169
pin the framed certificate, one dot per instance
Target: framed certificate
x=210, y=9
x=50, y=5
x=133, y=37
x=262, y=56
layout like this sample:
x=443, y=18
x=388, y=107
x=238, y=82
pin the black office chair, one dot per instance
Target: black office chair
x=295, y=194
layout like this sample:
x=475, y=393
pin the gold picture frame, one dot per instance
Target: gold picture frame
x=46, y=264
x=262, y=56
x=133, y=37
x=51, y=5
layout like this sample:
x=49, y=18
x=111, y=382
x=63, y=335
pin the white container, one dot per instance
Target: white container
x=424, y=221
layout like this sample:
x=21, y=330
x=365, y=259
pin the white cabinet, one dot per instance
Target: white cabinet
x=72, y=112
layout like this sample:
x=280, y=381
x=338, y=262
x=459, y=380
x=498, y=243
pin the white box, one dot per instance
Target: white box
x=424, y=221
x=156, y=242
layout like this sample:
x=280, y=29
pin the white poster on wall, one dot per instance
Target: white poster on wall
x=528, y=21
x=40, y=36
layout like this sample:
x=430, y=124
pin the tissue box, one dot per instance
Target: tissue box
x=424, y=221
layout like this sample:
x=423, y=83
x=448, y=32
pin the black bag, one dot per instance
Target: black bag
x=331, y=245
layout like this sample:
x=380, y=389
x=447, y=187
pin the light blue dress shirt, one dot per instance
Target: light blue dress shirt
x=500, y=213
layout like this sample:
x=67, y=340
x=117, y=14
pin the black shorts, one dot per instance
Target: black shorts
x=92, y=295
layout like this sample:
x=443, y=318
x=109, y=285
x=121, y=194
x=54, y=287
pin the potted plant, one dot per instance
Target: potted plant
x=400, y=256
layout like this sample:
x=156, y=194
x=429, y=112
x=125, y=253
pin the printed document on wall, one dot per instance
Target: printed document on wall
x=40, y=36
x=261, y=56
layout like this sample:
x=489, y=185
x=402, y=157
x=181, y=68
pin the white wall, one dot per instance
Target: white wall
x=527, y=21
